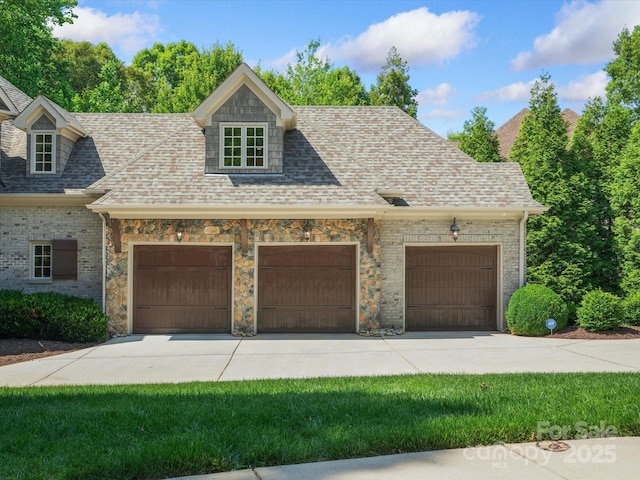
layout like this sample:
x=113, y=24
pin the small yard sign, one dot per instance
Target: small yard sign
x=551, y=324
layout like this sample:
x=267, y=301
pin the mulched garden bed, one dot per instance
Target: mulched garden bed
x=573, y=331
x=15, y=350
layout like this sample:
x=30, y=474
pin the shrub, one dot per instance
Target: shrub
x=531, y=306
x=631, y=306
x=51, y=316
x=13, y=310
x=600, y=311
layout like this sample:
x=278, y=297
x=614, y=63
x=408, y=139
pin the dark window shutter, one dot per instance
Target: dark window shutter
x=65, y=259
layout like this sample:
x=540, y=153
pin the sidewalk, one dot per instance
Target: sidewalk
x=186, y=358
x=599, y=458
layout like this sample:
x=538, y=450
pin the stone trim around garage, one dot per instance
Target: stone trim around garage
x=117, y=289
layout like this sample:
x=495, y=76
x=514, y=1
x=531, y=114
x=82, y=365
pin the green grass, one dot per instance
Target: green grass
x=159, y=431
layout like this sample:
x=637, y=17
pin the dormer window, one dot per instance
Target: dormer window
x=43, y=152
x=243, y=145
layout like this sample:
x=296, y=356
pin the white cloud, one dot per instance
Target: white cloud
x=518, y=91
x=588, y=86
x=421, y=38
x=442, y=113
x=436, y=96
x=127, y=32
x=584, y=34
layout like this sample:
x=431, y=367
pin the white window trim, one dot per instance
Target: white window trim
x=32, y=262
x=34, y=133
x=244, y=126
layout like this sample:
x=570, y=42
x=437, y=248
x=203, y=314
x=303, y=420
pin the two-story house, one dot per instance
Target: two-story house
x=251, y=215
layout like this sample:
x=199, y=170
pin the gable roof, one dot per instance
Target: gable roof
x=508, y=132
x=324, y=169
x=243, y=75
x=63, y=120
x=12, y=99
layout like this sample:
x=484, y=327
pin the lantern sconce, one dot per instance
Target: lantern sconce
x=179, y=233
x=455, y=230
x=307, y=231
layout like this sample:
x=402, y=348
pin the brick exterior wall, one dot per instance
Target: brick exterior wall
x=244, y=106
x=21, y=225
x=396, y=234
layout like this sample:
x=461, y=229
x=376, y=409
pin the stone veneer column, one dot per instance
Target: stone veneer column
x=259, y=232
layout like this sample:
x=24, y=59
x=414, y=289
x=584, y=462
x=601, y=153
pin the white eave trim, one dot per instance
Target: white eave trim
x=42, y=104
x=389, y=212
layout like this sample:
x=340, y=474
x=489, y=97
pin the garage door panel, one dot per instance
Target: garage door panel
x=181, y=289
x=308, y=288
x=451, y=288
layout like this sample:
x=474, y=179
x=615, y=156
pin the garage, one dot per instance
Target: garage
x=181, y=289
x=451, y=288
x=306, y=288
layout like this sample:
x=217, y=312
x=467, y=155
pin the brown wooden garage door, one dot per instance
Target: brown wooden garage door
x=451, y=288
x=181, y=289
x=308, y=288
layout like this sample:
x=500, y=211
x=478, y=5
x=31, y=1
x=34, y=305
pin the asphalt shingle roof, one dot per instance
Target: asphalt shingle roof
x=336, y=156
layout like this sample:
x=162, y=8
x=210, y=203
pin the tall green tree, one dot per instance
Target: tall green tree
x=176, y=77
x=624, y=70
x=625, y=201
x=313, y=80
x=108, y=96
x=478, y=139
x=27, y=54
x=86, y=61
x=558, y=255
x=392, y=86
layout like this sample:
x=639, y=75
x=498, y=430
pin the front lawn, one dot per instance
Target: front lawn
x=159, y=431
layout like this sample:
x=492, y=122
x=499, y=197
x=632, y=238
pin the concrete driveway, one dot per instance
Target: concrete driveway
x=185, y=358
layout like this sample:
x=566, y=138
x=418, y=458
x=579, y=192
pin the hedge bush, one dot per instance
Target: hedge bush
x=631, y=306
x=531, y=306
x=600, y=311
x=51, y=316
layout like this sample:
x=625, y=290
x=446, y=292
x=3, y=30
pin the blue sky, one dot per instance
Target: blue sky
x=461, y=54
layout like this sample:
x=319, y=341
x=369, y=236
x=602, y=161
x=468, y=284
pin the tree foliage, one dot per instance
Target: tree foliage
x=177, y=77
x=479, y=139
x=392, y=86
x=624, y=70
x=314, y=80
x=559, y=253
x=28, y=53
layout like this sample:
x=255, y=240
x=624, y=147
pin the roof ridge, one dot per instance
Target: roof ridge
x=140, y=155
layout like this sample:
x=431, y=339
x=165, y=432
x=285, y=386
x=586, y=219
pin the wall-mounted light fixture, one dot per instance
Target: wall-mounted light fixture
x=179, y=233
x=455, y=230
x=306, y=231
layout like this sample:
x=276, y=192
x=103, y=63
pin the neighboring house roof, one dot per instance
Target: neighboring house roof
x=508, y=132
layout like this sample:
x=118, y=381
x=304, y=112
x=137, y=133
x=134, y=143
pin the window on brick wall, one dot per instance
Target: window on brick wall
x=243, y=145
x=54, y=260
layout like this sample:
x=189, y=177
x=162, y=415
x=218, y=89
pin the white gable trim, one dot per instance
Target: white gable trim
x=7, y=101
x=243, y=75
x=41, y=105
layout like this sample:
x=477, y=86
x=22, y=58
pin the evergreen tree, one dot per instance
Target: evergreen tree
x=392, y=86
x=478, y=139
x=557, y=251
x=625, y=202
x=624, y=70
